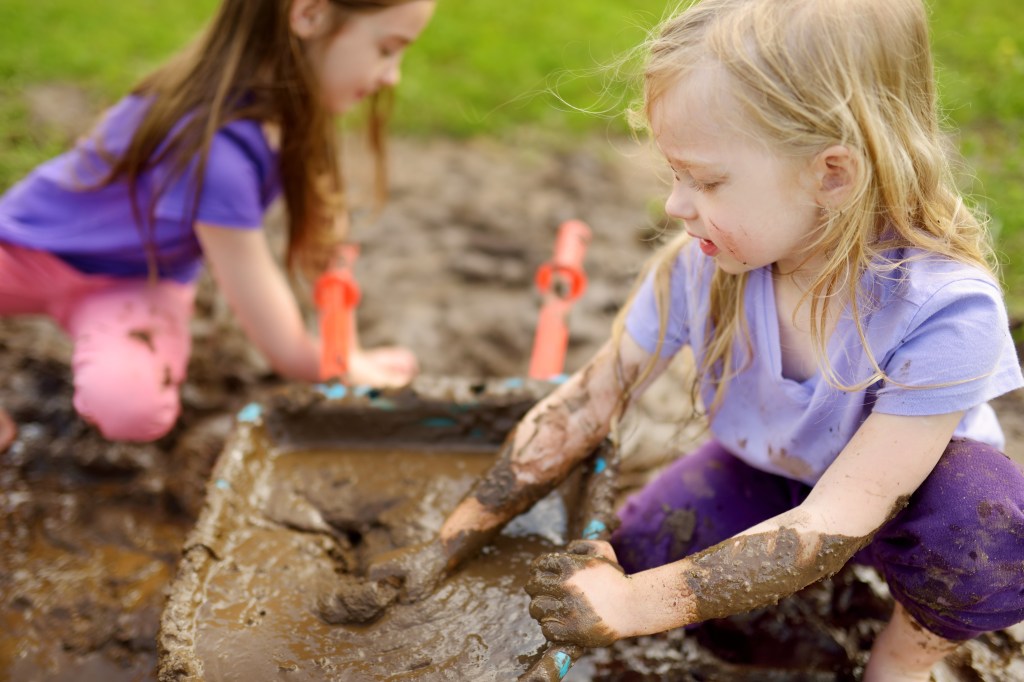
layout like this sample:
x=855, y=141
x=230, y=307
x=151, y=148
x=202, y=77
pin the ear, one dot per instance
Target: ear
x=835, y=172
x=307, y=17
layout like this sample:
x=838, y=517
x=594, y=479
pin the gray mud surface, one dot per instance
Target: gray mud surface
x=90, y=533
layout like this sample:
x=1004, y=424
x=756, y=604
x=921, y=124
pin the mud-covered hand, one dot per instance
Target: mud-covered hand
x=582, y=596
x=417, y=570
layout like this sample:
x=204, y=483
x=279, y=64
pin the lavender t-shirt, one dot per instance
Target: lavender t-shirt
x=937, y=324
x=58, y=209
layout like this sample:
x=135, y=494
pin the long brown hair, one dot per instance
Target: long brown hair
x=809, y=74
x=248, y=64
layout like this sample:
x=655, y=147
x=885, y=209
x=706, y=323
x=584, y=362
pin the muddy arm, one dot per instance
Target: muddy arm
x=546, y=446
x=587, y=601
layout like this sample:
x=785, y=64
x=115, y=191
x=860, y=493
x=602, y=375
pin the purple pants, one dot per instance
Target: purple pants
x=954, y=557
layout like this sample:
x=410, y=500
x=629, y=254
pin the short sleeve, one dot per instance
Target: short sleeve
x=643, y=321
x=232, y=192
x=956, y=353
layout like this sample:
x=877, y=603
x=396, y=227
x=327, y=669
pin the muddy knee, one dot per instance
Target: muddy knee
x=126, y=404
x=953, y=556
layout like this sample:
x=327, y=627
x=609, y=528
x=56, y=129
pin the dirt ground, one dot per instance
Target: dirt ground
x=90, y=532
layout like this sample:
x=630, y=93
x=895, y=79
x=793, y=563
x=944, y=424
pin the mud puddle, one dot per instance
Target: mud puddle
x=83, y=583
x=259, y=611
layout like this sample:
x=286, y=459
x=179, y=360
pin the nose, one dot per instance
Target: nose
x=680, y=203
x=392, y=75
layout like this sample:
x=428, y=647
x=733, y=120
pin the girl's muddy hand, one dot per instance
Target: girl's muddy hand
x=581, y=598
x=417, y=569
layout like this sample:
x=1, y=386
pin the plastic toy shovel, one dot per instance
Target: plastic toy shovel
x=336, y=295
x=560, y=281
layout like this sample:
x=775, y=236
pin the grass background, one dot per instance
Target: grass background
x=490, y=68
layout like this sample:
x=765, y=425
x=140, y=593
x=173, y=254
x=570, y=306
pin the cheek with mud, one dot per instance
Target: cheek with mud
x=730, y=242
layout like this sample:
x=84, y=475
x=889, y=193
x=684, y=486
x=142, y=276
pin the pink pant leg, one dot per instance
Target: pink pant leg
x=131, y=338
x=36, y=282
x=131, y=347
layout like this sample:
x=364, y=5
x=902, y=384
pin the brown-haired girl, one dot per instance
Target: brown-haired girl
x=108, y=238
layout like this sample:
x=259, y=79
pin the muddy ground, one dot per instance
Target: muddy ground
x=90, y=532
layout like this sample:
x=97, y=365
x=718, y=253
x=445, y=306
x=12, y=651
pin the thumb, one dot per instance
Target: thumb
x=598, y=548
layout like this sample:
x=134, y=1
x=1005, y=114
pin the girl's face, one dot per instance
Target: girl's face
x=365, y=54
x=746, y=205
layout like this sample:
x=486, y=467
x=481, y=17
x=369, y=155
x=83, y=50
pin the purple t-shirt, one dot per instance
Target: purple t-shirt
x=58, y=209
x=937, y=322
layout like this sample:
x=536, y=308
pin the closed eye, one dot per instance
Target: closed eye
x=702, y=186
x=692, y=182
x=391, y=47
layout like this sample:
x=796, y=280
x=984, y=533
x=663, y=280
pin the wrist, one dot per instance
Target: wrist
x=661, y=602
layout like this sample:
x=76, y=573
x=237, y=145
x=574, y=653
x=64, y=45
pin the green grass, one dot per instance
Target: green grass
x=979, y=48
x=495, y=68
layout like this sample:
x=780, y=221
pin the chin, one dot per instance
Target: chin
x=734, y=267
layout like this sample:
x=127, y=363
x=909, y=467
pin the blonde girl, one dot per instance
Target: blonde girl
x=848, y=331
x=108, y=238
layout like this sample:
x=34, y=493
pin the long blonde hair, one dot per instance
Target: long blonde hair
x=809, y=74
x=248, y=64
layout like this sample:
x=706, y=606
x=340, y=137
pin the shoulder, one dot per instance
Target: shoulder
x=239, y=179
x=922, y=284
x=241, y=162
x=920, y=276
x=242, y=141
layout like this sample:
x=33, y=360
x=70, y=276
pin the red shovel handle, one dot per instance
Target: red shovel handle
x=561, y=281
x=336, y=295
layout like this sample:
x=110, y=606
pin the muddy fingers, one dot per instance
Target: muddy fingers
x=417, y=569
x=554, y=664
x=564, y=610
x=357, y=600
x=405, y=575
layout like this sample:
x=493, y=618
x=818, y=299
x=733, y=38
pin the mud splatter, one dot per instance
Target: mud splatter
x=679, y=525
x=794, y=466
x=145, y=336
x=751, y=571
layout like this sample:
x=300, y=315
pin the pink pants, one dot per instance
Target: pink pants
x=131, y=338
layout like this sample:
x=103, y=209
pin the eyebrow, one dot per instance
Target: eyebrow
x=677, y=162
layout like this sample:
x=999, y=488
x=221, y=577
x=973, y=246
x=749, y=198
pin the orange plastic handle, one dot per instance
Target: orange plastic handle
x=564, y=273
x=561, y=281
x=336, y=295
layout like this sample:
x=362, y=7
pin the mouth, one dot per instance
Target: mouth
x=706, y=246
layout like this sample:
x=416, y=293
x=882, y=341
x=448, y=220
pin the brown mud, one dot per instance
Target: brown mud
x=91, y=532
x=282, y=523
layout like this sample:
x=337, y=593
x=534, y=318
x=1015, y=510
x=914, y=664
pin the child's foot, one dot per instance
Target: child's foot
x=905, y=651
x=8, y=430
x=385, y=367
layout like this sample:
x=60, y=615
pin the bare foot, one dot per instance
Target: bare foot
x=905, y=651
x=8, y=430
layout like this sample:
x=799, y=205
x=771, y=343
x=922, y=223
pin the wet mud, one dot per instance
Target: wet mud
x=258, y=615
x=83, y=584
x=285, y=527
x=91, y=533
